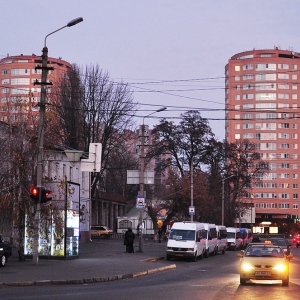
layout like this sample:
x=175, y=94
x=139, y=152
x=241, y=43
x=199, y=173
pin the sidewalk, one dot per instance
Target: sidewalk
x=100, y=260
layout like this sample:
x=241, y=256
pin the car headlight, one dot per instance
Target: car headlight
x=1, y=249
x=247, y=267
x=280, y=268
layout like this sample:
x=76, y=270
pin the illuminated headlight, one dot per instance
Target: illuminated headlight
x=280, y=268
x=247, y=267
x=1, y=249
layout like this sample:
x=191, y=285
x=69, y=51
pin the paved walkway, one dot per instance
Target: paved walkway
x=100, y=260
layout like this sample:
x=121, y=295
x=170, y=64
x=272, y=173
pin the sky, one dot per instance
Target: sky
x=172, y=53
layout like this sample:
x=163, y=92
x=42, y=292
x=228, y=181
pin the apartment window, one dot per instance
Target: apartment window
x=295, y=176
x=283, y=205
x=236, y=68
x=248, y=86
x=265, y=96
x=20, y=81
x=283, y=66
x=284, y=175
x=283, y=105
x=283, y=86
x=248, y=126
x=295, y=126
x=295, y=206
x=295, y=135
x=284, y=125
x=294, y=96
x=295, y=146
x=5, y=81
x=283, y=135
x=284, y=155
x=16, y=72
x=283, y=115
x=261, y=77
x=4, y=100
x=294, y=67
x=295, y=166
x=237, y=97
x=265, y=86
x=294, y=86
x=295, y=185
x=248, y=116
x=265, y=126
x=284, y=196
x=295, y=196
x=265, y=106
x=263, y=67
x=294, y=106
x=283, y=166
x=283, y=96
x=237, y=136
x=237, y=78
x=265, y=116
x=248, y=96
x=283, y=76
x=248, y=106
x=248, y=67
x=237, y=126
x=295, y=156
x=294, y=76
x=237, y=107
x=237, y=117
x=248, y=136
x=295, y=116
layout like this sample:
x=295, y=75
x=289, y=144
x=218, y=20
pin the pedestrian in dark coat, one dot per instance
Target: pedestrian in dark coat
x=128, y=241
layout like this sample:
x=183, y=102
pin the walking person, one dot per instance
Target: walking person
x=129, y=240
x=159, y=235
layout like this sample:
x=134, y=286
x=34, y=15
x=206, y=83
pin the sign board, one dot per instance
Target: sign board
x=140, y=202
x=133, y=177
x=192, y=210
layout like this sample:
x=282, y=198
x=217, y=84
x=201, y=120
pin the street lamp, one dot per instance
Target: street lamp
x=223, y=180
x=39, y=170
x=142, y=168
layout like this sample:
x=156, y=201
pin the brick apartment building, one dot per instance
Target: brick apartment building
x=262, y=105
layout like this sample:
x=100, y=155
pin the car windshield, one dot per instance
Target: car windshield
x=185, y=235
x=264, y=252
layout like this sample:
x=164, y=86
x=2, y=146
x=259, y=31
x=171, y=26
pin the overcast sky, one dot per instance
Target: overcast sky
x=172, y=52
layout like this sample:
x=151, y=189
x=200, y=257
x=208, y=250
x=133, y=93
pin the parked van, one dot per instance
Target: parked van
x=221, y=238
x=234, y=240
x=186, y=239
x=211, y=239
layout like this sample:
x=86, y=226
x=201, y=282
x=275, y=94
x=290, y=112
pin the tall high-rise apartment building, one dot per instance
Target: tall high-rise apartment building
x=262, y=105
x=17, y=77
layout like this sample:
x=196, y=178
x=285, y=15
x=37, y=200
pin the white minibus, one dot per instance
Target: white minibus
x=186, y=239
x=221, y=238
x=234, y=240
x=211, y=239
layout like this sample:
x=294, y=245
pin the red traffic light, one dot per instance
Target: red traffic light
x=34, y=193
x=46, y=196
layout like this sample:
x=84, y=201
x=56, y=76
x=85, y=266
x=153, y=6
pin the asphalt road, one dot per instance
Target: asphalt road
x=210, y=278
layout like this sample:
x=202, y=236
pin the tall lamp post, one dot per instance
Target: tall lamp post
x=142, y=169
x=39, y=170
x=223, y=198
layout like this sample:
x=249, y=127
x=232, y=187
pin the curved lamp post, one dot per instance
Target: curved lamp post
x=142, y=169
x=39, y=170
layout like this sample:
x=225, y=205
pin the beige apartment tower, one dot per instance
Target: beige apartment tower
x=262, y=105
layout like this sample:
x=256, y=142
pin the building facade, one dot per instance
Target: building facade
x=18, y=89
x=262, y=105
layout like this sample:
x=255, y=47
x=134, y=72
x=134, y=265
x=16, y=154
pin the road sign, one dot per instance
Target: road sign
x=140, y=202
x=192, y=210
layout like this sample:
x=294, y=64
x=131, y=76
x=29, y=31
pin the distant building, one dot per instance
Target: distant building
x=262, y=105
x=17, y=77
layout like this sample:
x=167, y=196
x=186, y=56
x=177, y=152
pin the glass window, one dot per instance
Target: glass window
x=236, y=68
x=15, y=72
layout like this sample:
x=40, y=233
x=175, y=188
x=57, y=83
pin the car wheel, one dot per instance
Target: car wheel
x=223, y=251
x=285, y=282
x=202, y=255
x=168, y=257
x=297, y=245
x=213, y=253
x=206, y=254
x=195, y=257
x=3, y=261
x=243, y=280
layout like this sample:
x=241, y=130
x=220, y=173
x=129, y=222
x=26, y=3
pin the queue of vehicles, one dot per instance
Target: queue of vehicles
x=197, y=240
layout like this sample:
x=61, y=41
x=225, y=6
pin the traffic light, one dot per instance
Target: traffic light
x=46, y=196
x=34, y=193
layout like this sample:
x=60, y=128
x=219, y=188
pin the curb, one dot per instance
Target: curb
x=93, y=280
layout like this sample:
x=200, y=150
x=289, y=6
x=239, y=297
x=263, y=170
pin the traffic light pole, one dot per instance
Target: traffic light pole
x=39, y=171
